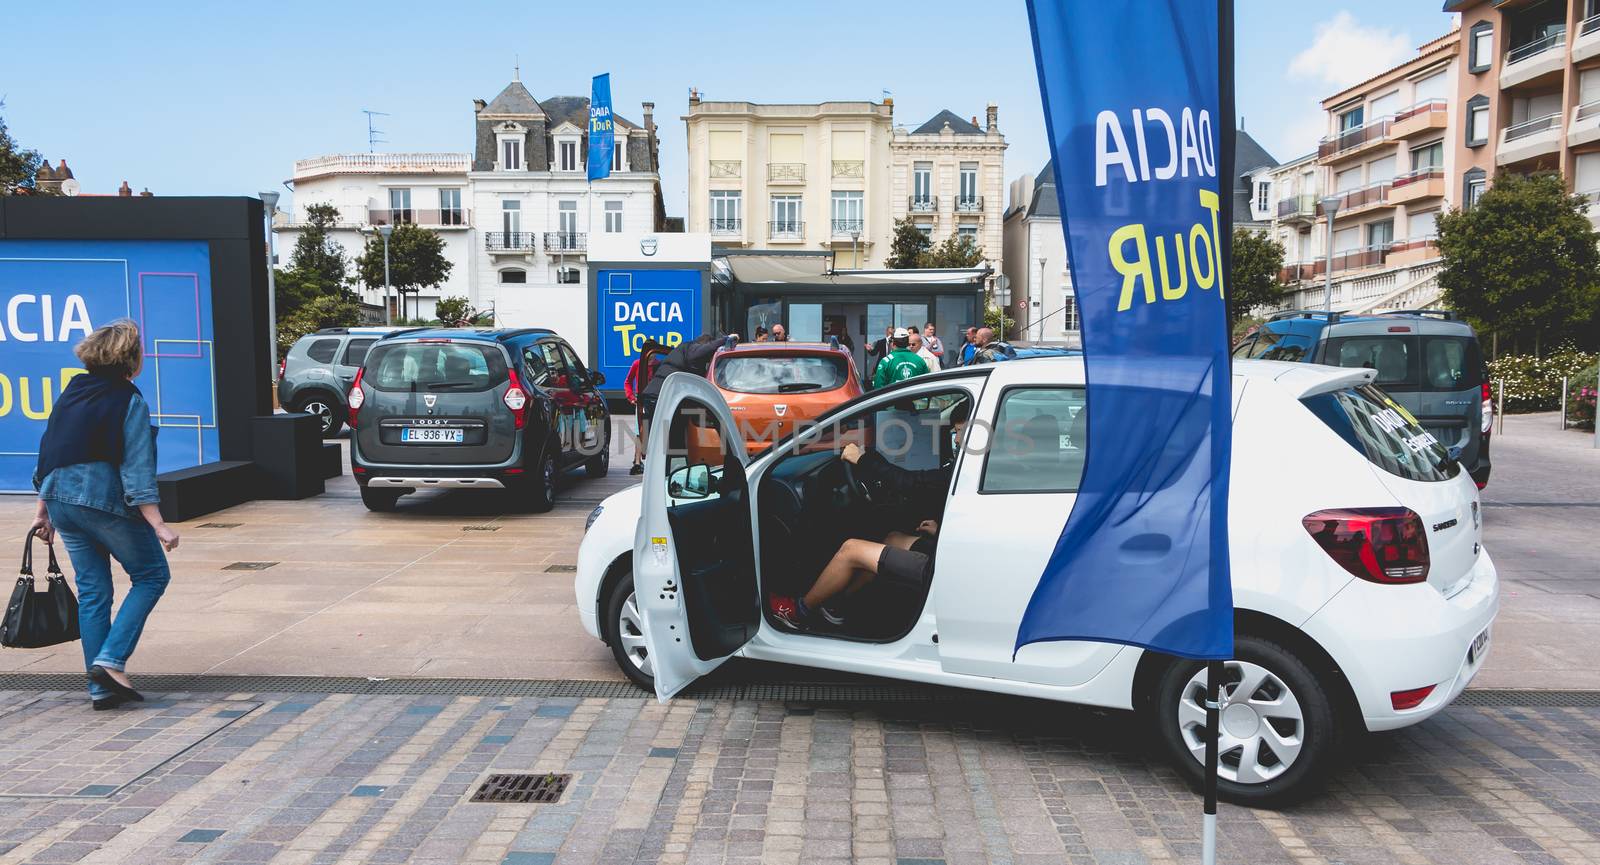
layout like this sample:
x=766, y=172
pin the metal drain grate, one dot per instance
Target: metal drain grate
x=248, y=566
x=523, y=789
x=480, y=528
x=561, y=569
x=219, y=525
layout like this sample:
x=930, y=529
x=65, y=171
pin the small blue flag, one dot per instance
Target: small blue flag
x=602, y=135
x=1131, y=97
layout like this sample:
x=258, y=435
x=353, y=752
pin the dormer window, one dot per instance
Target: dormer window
x=567, y=155
x=619, y=156
x=511, y=154
x=508, y=148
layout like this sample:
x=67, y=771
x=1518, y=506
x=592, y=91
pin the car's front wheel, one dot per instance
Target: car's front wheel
x=623, y=629
x=323, y=409
x=1276, y=731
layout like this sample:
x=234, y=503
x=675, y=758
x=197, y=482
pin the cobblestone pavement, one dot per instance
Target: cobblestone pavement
x=312, y=778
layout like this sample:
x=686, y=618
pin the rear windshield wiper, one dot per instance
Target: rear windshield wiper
x=452, y=385
x=797, y=386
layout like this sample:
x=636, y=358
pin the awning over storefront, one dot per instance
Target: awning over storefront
x=767, y=267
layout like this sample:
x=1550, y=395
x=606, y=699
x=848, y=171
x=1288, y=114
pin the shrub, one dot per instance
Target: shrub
x=1534, y=383
x=1581, y=391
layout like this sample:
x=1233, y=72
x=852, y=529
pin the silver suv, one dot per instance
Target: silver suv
x=317, y=372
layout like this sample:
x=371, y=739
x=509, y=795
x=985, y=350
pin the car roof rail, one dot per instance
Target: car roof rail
x=1442, y=314
x=331, y=330
x=833, y=342
x=522, y=331
x=729, y=341
x=1331, y=315
x=406, y=331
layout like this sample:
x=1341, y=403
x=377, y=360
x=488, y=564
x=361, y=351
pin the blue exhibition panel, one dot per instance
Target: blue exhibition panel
x=55, y=291
x=635, y=305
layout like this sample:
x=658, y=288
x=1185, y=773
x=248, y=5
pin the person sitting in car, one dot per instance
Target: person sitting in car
x=901, y=558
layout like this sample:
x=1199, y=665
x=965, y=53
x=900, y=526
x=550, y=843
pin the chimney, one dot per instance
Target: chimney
x=694, y=96
x=125, y=191
x=991, y=114
x=478, y=105
x=649, y=117
x=147, y=193
x=45, y=172
x=62, y=171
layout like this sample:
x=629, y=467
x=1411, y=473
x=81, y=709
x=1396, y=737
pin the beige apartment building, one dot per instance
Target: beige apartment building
x=1388, y=168
x=1530, y=91
x=948, y=176
x=798, y=177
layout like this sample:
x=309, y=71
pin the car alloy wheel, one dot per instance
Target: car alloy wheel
x=322, y=411
x=630, y=633
x=548, y=478
x=1261, y=726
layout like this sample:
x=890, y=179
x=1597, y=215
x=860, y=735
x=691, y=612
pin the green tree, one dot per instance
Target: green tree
x=416, y=261
x=1522, y=259
x=908, y=247
x=327, y=310
x=1253, y=280
x=996, y=319
x=957, y=250
x=316, y=253
x=18, y=165
x=455, y=312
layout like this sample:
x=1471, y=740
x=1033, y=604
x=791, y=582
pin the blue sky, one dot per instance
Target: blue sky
x=221, y=98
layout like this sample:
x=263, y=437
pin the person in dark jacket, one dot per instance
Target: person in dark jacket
x=96, y=478
x=693, y=356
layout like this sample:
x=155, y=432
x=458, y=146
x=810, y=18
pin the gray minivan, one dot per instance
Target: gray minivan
x=1428, y=361
x=474, y=408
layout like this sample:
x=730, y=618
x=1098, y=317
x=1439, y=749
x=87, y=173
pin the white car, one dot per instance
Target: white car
x=1363, y=595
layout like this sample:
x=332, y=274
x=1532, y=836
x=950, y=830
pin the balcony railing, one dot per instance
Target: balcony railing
x=846, y=227
x=1426, y=106
x=1530, y=50
x=1431, y=172
x=1350, y=139
x=1587, y=111
x=923, y=204
x=1297, y=206
x=1364, y=256
x=565, y=241
x=419, y=217
x=385, y=163
x=1372, y=193
x=790, y=229
x=514, y=241
x=1530, y=127
x=1299, y=270
x=1589, y=25
x=853, y=169
x=725, y=168
x=727, y=226
x=969, y=204
x=1410, y=243
x=794, y=172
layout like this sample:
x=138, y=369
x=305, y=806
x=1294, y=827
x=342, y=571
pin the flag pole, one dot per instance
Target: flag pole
x=1226, y=186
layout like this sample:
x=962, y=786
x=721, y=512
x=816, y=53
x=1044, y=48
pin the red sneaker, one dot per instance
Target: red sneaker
x=786, y=611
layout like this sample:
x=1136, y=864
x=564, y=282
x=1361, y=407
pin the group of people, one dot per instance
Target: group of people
x=907, y=352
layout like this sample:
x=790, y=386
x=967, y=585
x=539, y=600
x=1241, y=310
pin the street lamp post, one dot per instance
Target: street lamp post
x=269, y=201
x=1330, y=207
x=855, y=248
x=1031, y=317
x=384, y=231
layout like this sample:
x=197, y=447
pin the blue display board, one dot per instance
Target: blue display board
x=53, y=292
x=635, y=305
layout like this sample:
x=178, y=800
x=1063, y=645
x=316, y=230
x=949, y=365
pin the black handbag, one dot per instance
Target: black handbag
x=37, y=619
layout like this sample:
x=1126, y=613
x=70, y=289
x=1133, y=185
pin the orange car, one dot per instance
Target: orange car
x=772, y=386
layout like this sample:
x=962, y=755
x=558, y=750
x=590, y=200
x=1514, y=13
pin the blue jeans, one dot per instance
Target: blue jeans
x=92, y=538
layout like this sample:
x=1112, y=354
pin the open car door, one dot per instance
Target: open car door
x=694, y=560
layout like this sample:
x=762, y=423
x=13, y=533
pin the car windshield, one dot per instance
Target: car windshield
x=1407, y=362
x=434, y=366
x=800, y=373
x=1384, y=432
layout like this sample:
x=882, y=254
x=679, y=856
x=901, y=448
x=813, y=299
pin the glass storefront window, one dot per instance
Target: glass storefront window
x=764, y=312
x=805, y=322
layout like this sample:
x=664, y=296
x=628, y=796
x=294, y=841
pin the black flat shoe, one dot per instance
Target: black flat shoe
x=638, y=469
x=101, y=677
x=110, y=702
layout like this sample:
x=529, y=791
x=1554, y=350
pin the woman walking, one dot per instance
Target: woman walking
x=97, y=486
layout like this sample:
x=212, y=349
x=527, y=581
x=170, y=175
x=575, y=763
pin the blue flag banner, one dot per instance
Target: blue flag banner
x=602, y=136
x=1131, y=99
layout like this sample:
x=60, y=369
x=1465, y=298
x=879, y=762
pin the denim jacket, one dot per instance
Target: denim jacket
x=115, y=489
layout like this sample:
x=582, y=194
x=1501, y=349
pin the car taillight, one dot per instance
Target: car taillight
x=356, y=398
x=516, y=399
x=1402, y=700
x=1488, y=408
x=1383, y=545
x=283, y=366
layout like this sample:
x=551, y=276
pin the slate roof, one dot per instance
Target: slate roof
x=1248, y=156
x=958, y=124
x=1044, y=202
x=515, y=99
x=575, y=110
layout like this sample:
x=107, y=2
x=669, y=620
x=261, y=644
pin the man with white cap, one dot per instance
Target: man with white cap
x=901, y=363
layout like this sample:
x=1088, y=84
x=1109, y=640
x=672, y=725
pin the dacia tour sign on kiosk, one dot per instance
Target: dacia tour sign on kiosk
x=56, y=291
x=645, y=286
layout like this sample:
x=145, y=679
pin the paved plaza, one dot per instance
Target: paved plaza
x=439, y=646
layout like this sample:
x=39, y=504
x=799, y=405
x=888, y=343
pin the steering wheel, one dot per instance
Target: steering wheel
x=857, y=486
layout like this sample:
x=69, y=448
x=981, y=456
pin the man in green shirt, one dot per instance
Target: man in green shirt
x=901, y=363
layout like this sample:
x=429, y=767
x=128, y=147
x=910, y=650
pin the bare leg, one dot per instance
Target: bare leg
x=854, y=555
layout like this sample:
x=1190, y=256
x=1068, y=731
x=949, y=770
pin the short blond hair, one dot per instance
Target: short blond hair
x=113, y=349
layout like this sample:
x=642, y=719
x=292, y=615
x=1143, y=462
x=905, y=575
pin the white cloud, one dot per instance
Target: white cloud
x=1344, y=52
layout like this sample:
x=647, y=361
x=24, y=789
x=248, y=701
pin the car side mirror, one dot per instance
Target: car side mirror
x=691, y=482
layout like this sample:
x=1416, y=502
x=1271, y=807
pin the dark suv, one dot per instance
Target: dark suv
x=1427, y=359
x=474, y=408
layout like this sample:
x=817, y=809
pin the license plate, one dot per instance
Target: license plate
x=432, y=435
x=1479, y=643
